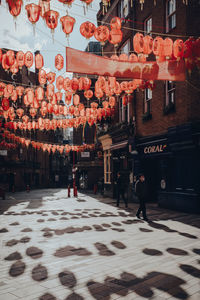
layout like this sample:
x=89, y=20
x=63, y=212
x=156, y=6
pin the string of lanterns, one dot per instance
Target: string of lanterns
x=50, y=148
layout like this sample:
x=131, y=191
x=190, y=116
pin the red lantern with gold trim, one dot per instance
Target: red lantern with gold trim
x=178, y=48
x=68, y=97
x=39, y=61
x=28, y=59
x=88, y=94
x=148, y=45
x=115, y=23
x=115, y=36
x=45, y=6
x=20, y=90
x=67, y=24
x=138, y=42
x=51, y=18
x=76, y=99
x=33, y=12
x=87, y=29
x=101, y=34
x=5, y=104
x=59, y=82
x=74, y=84
x=39, y=93
x=59, y=62
x=51, y=77
x=20, y=57
x=14, y=7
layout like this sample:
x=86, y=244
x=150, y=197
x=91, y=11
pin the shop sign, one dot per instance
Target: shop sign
x=85, y=154
x=3, y=152
x=155, y=149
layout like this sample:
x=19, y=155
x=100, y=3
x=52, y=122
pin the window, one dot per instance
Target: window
x=147, y=101
x=123, y=8
x=125, y=48
x=170, y=93
x=124, y=111
x=170, y=14
x=148, y=25
x=107, y=172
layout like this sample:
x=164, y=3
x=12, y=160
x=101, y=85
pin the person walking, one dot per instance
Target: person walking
x=120, y=190
x=142, y=193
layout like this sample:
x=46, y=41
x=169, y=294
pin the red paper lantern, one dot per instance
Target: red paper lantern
x=67, y=24
x=1, y=53
x=76, y=99
x=51, y=18
x=14, y=7
x=45, y=6
x=167, y=48
x=59, y=96
x=188, y=48
x=28, y=59
x=14, y=96
x=115, y=36
x=42, y=77
x=59, y=82
x=50, y=91
x=124, y=85
x=5, y=104
x=20, y=57
x=5, y=66
x=84, y=83
x=50, y=108
x=68, y=97
x=32, y=112
x=158, y=46
x=88, y=94
x=112, y=101
x=87, y=29
x=133, y=58
x=20, y=90
x=39, y=61
x=10, y=57
x=33, y=12
x=39, y=93
x=148, y=44
x=59, y=62
x=14, y=68
x=138, y=42
x=68, y=2
x=115, y=23
x=74, y=84
x=51, y=77
x=102, y=34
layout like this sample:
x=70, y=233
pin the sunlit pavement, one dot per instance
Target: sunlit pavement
x=54, y=247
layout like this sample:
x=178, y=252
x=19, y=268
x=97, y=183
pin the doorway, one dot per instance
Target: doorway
x=150, y=168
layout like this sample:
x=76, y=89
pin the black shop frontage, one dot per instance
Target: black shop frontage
x=171, y=165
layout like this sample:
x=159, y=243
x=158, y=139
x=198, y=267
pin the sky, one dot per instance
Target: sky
x=19, y=34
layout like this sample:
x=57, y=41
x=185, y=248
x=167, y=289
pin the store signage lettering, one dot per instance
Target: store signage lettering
x=155, y=149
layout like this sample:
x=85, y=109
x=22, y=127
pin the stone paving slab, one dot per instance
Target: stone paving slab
x=59, y=248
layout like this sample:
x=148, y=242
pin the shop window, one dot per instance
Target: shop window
x=107, y=167
x=125, y=48
x=124, y=112
x=169, y=96
x=170, y=14
x=148, y=26
x=123, y=8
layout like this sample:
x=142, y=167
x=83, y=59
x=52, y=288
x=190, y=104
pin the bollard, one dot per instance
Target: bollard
x=28, y=188
x=75, y=191
x=95, y=188
x=68, y=191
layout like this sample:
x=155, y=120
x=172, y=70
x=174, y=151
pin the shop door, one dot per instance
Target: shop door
x=151, y=172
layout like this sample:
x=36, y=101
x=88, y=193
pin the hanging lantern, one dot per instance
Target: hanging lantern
x=5, y=66
x=74, y=84
x=14, y=7
x=50, y=91
x=14, y=96
x=124, y=85
x=112, y=101
x=1, y=54
x=133, y=57
x=51, y=18
x=49, y=108
x=39, y=61
x=42, y=77
x=59, y=83
x=14, y=68
x=10, y=57
x=67, y=24
x=84, y=83
x=20, y=91
x=51, y=77
x=114, y=57
x=99, y=93
x=67, y=2
x=178, y=48
x=167, y=48
x=88, y=94
x=39, y=93
x=87, y=29
x=20, y=57
x=158, y=46
x=20, y=112
x=71, y=110
x=8, y=89
x=102, y=34
x=115, y=36
x=33, y=12
x=115, y=23
x=58, y=96
x=138, y=42
x=33, y=112
x=5, y=104
x=123, y=57
x=76, y=99
x=30, y=96
x=25, y=119
x=28, y=59
x=68, y=97
x=45, y=6
x=59, y=62
x=148, y=45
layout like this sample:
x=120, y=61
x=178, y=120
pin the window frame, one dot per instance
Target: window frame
x=170, y=15
x=124, y=111
x=147, y=32
x=147, y=101
x=168, y=92
x=121, y=9
x=107, y=167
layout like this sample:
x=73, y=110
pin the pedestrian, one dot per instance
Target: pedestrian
x=142, y=193
x=120, y=190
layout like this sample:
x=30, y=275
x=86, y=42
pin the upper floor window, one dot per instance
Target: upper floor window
x=147, y=101
x=170, y=14
x=124, y=110
x=170, y=93
x=107, y=167
x=123, y=8
x=125, y=48
x=148, y=25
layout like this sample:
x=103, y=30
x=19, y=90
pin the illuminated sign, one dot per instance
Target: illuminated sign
x=155, y=149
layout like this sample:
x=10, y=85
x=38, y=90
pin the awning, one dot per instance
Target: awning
x=119, y=145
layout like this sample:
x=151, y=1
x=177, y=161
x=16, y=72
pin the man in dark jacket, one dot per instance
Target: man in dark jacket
x=120, y=189
x=142, y=193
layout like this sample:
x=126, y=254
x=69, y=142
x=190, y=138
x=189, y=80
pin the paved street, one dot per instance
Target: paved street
x=54, y=247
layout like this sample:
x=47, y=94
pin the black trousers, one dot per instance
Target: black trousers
x=142, y=208
x=121, y=192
